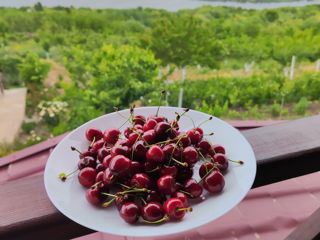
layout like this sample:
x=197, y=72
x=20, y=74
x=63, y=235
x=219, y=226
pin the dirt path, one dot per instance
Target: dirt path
x=12, y=110
x=56, y=70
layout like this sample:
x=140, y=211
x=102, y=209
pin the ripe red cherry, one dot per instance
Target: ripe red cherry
x=150, y=124
x=166, y=184
x=206, y=167
x=140, y=180
x=221, y=160
x=161, y=130
x=136, y=167
x=214, y=182
x=199, y=130
x=152, y=211
x=184, y=139
x=102, y=153
x=87, y=162
x=190, y=155
x=120, y=150
x=153, y=196
x=130, y=212
x=132, y=138
x=217, y=148
x=127, y=131
x=171, y=170
x=120, y=200
x=99, y=176
x=97, y=145
x=194, y=136
x=92, y=133
x=119, y=164
x=149, y=136
x=155, y=154
x=172, y=206
x=183, y=197
x=139, y=119
x=94, y=196
x=204, y=146
x=106, y=161
x=139, y=151
x=87, y=153
x=184, y=174
x=111, y=135
x=87, y=176
x=168, y=149
x=191, y=186
x=108, y=178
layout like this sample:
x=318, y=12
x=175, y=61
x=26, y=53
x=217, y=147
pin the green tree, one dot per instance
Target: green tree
x=38, y=7
x=185, y=40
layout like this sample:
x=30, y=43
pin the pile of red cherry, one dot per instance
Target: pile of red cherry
x=148, y=170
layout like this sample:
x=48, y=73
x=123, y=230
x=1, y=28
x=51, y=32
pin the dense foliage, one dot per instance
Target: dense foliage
x=113, y=56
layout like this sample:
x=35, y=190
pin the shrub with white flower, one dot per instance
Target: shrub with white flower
x=50, y=111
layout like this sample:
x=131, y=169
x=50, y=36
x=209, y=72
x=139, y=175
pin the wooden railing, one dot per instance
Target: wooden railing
x=283, y=151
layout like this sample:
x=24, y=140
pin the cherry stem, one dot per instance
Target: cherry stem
x=209, y=134
x=158, y=221
x=128, y=120
x=210, y=118
x=77, y=150
x=106, y=204
x=189, y=209
x=134, y=145
x=160, y=100
x=186, y=193
x=123, y=185
x=144, y=201
x=183, y=136
x=64, y=176
x=194, y=125
x=240, y=162
x=153, y=170
x=148, y=145
x=96, y=184
x=184, y=164
x=93, y=140
x=117, y=110
x=201, y=155
x=135, y=190
x=212, y=148
x=109, y=194
x=213, y=167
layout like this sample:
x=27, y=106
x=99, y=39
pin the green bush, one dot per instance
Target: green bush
x=275, y=110
x=27, y=127
x=301, y=107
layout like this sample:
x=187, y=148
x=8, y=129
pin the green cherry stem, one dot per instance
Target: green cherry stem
x=189, y=209
x=96, y=184
x=106, y=204
x=93, y=140
x=64, y=176
x=160, y=100
x=158, y=221
x=184, y=164
x=210, y=118
x=189, y=194
x=214, y=165
x=77, y=150
x=109, y=194
x=117, y=110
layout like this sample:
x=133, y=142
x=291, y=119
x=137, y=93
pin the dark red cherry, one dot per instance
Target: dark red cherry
x=218, y=149
x=87, y=162
x=205, y=168
x=152, y=211
x=184, y=139
x=171, y=170
x=199, y=130
x=102, y=153
x=155, y=154
x=204, y=146
x=136, y=167
x=87, y=153
x=150, y=124
x=92, y=133
x=139, y=119
x=106, y=161
x=172, y=206
x=190, y=155
x=161, y=130
x=127, y=131
x=99, y=176
x=130, y=212
x=87, y=176
x=166, y=184
x=93, y=196
x=99, y=167
x=108, y=178
x=140, y=180
x=132, y=138
x=194, y=136
x=139, y=151
x=119, y=164
x=214, y=182
x=111, y=135
x=183, y=197
x=169, y=148
x=221, y=160
x=120, y=150
x=154, y=196
x=122, y=199
x=138, y=128
x=149, y=136
x=193, y=187
x=97, y=145
x=184, y=174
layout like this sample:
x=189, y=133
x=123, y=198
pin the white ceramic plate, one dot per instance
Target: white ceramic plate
x=69, y=196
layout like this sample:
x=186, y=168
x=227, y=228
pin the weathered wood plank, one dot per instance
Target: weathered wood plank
x=308, y=230
x=27, y=213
